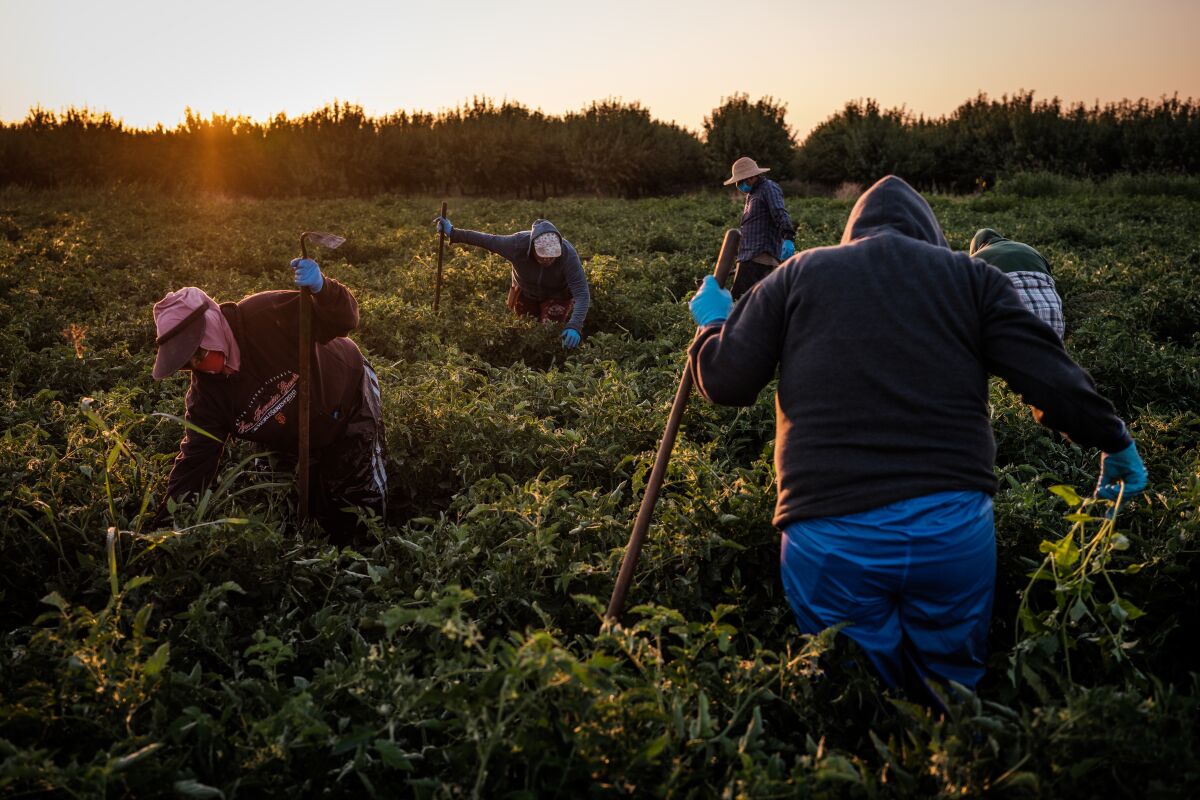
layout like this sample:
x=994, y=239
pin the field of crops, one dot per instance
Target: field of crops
x=457, y=653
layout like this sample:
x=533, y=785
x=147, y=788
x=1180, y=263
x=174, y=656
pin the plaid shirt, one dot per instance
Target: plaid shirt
x=765, y=221
x=1039, y=296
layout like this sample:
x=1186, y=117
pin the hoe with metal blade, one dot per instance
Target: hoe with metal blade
x=729, y=248
x=437, y=291
x=331, y=241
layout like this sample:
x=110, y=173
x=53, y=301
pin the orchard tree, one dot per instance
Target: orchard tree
x=739, y=128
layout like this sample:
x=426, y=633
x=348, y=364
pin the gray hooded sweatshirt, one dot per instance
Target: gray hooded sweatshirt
x=884, y=345
x=562, y=279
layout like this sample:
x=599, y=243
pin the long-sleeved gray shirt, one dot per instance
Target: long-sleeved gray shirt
x=562, y=279
x=884, y=345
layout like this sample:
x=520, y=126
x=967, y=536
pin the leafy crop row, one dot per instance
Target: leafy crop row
x=458, y=651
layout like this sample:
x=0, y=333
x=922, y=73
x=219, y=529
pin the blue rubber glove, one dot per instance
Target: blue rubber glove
x=1124, y=466
x=442, y=224
x=711, y=304
x=570, y=338
x=307, y=275
x=788, y=250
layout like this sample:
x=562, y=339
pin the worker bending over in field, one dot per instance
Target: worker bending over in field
x=244, y=362
x=1029, y=272
x=768, y=235
x=547, y=277
x=883, y=443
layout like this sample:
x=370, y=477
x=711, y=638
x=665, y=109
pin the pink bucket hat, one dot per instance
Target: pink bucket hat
x=186, y=320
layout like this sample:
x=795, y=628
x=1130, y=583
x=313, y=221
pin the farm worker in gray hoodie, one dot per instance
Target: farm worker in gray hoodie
x=1029, y=272
x=883, y=444
x=547, y=276
x=768, y=234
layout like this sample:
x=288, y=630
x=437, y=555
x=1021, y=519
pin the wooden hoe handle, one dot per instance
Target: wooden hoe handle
x=303, y=399
x=616, y=604
x=437, y=291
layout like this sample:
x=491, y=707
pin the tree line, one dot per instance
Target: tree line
x=609, y=148
x=985, y=139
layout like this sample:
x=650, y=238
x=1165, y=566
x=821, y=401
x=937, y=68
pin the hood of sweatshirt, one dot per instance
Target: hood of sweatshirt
x=892, y=206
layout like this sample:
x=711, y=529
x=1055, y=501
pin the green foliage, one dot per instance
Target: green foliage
x=1087, y=607
x=986, y=139
x=1050, y=184
x=739, y=128
x=611, y=148
x=617, y=149
x=860, y=144
x=478, y=148
x=458, y=651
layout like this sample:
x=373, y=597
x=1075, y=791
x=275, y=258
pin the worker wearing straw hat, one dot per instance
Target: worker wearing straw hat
x=768, y=235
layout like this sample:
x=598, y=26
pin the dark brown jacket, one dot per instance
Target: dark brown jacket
x=259, y=402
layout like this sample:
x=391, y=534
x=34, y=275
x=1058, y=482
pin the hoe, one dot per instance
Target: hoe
x=632, y=550
x=330, y=240
x=437, y=290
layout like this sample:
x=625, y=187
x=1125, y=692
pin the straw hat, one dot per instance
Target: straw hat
x=745, y=167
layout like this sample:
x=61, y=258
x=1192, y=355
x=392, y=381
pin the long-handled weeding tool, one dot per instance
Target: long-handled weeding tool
x=437, y=290
x=616, y=604
x=332, y=241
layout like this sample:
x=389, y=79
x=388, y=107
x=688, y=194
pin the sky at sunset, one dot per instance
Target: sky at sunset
x=146, y=61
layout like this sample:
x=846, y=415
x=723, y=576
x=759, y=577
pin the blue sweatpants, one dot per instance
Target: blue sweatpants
x=914, y=580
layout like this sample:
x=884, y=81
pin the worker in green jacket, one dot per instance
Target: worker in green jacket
x=1029, y=272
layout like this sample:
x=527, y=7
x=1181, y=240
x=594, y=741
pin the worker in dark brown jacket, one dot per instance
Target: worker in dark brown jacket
x=243, y=362
x=883, y=444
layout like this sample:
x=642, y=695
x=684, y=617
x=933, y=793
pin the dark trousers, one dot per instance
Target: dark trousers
x=748, y=273
x=349, y=473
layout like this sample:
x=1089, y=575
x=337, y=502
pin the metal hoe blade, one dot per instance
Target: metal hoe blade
x=330, y=240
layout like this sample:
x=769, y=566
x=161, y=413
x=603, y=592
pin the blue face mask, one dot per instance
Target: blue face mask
x=744, y=187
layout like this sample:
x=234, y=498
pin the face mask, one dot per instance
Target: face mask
x=213, y=362
x=744, y=187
